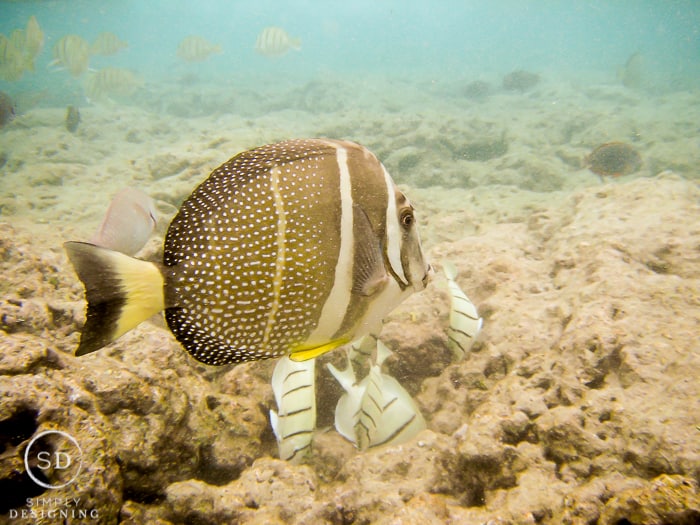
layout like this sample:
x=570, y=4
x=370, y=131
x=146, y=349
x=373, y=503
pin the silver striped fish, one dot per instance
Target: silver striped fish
x=73, y=53
x=275, y=42
x=294, y=386
x=376, y=411
x=465, y=323
x=292, y=248
x=194, y=48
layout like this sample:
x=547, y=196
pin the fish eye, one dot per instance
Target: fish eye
x=407, y=219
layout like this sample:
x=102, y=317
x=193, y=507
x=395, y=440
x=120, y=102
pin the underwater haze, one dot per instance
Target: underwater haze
x=546, y=374
x=445, y=39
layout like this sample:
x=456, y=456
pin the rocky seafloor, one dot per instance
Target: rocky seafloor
x=579, y=404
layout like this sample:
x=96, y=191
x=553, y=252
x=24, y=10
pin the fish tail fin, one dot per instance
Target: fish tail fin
x=121, y=292
x=295, y=43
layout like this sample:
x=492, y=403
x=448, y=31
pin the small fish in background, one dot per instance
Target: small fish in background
x=111, y=81
x=73, y=53
x=7, y=109
x=632, y=74
x=72, y=118
x=128, y=223
x=12, y=61
x=196, y=49
x=275, y=42
x=311, y=235
x=613, y=159
x=34, y=41
x=465, y=323
x=294, y=386
x=520, y=80
x=376, y=411
x=107, y=44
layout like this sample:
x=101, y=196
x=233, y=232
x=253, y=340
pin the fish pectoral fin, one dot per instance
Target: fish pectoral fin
x=305, y=353
x=369, y=274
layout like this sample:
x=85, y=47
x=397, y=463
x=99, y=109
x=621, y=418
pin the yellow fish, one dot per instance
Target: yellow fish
x=196, y=49
x=33, y=41
x=275, y=42
x=73, y=53
x=11, y=60
x=107, y=44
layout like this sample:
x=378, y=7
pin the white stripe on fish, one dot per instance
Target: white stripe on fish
x=339, y=297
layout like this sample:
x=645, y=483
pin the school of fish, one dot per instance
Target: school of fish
x=19, y=52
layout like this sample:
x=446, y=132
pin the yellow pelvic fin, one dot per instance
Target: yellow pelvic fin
x=305, y=353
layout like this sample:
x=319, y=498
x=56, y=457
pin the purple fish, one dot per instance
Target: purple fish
x=128, y=223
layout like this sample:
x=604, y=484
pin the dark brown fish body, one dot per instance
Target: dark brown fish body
x=613, y=159
x=7, y=109
x=72, y=118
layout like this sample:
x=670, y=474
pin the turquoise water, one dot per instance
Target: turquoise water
x=444, y=39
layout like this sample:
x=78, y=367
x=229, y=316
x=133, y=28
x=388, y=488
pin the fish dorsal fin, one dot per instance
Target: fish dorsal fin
x=369, y=274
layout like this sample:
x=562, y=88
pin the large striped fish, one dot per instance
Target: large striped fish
x=292, y=248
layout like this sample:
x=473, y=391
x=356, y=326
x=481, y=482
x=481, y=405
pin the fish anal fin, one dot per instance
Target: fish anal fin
x=305, y=353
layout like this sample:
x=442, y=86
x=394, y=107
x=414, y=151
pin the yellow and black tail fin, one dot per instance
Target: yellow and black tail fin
x=121, y=292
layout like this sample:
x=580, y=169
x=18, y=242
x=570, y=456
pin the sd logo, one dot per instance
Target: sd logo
x=53, y=459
